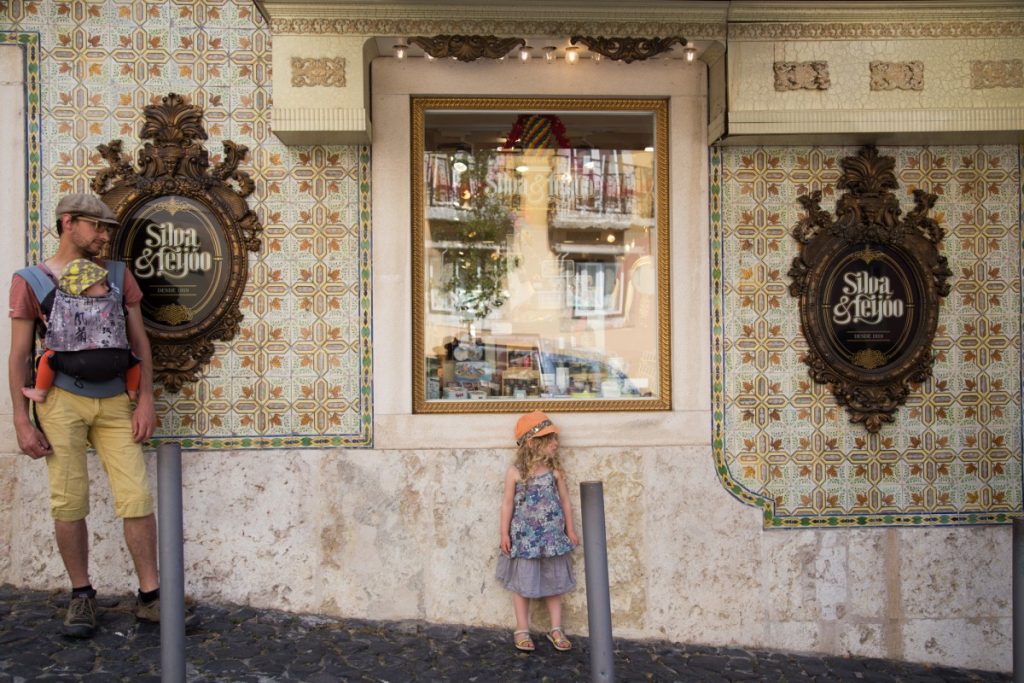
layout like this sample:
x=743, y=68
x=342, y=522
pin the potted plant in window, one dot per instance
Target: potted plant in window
x=475, y=277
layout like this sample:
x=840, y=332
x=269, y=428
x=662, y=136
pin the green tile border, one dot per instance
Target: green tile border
x=29, y=42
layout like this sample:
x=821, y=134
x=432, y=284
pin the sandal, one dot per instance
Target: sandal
x=560, y=642
x=523, y=641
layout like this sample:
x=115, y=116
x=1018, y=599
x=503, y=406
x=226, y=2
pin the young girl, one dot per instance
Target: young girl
x=537, y=529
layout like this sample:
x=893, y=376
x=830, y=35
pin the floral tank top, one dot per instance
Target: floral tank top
x=538, y=524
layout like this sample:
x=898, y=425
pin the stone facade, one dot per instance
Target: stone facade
x=313, y=488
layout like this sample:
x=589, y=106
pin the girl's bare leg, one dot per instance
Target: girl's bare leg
x=554, y=604
x=522, y=608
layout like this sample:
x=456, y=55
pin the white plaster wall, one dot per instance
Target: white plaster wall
x=408, y=530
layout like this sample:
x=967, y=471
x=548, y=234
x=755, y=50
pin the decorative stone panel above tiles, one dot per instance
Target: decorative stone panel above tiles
x=875, y=86
x=897, y=75
x=1000, y=73
x=321, y=89
x=801, y=76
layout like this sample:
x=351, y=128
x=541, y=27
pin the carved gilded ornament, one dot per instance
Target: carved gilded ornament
x=801, y=76
x=869, y=285
x=185, y=230
x=467, y=48
x=897, y=75
x=318, y=71
x=628, y=50
x=999, y=73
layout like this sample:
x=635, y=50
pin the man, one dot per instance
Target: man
x=76, y=412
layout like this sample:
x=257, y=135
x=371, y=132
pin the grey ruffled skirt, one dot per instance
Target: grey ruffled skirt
x=536, y=578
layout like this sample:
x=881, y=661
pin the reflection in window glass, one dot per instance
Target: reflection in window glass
x=538, y=255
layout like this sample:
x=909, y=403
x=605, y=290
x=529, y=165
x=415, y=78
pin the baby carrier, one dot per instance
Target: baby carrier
x=88, y=333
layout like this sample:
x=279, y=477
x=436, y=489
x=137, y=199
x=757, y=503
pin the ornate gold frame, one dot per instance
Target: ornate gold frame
x=176, y=164
x=659, y=109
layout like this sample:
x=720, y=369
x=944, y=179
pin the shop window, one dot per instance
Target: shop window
x=540, y=254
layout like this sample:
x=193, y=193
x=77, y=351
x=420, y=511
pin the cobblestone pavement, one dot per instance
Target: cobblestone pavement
x=243, y=644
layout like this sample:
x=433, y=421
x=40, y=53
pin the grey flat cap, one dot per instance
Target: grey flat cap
x=89, y=205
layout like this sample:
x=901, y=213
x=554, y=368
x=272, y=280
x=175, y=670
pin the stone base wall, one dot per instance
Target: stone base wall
x=414, y=535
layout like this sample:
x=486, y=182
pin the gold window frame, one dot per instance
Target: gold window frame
x=658, y=108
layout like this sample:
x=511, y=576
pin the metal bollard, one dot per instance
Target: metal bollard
x=599, y=605
x=172, y=564
x=1018, y=600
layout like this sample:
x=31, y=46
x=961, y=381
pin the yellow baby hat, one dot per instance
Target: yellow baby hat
x=80, y=275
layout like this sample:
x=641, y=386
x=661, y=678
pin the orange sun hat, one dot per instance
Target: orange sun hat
x=532, y=425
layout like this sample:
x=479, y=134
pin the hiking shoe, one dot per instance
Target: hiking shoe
x=147, y=611
x=80, y=621
x=151, y=612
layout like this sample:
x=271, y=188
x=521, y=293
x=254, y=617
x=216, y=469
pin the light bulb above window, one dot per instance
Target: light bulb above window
x=572, y=55
x=524, y=53
x=401, y=50
x=549, y=54
x=690, y=51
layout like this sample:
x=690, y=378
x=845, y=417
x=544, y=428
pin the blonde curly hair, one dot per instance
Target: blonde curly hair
x=532, y=453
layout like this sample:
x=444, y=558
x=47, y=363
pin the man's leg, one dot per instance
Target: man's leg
x=111, y=434
x=140, y=535
x=66, y=429
x=64, y=422
x=73, y=543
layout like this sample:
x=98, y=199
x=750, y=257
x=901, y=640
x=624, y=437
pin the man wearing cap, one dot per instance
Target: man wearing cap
x=78, y=413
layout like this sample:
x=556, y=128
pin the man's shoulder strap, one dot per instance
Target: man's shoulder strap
x=41, y=284
x=115, y=275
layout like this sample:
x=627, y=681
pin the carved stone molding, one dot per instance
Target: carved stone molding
x=628, y=49
x=467, y=48
x=318, y=71
x=897, y=75
x=876, y=30
x=869, y=285
x=567, y=24
x=999, y=73
x=185, y=230
x=801, y=76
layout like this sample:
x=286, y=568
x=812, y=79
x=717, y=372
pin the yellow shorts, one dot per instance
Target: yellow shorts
x=72, y=422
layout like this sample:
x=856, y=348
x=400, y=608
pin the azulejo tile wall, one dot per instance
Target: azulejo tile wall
x=781, y=442
x=298, y=374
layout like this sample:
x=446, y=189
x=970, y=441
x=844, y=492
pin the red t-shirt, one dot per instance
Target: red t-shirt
x=23, y=303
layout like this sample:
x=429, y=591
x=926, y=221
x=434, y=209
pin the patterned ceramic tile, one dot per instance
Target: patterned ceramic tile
x=781, y=441
x=298, y=374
